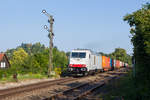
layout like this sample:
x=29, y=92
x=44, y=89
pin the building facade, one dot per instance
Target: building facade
x=4, y=62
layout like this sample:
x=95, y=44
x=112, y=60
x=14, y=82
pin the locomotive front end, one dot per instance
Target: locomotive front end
x=78, y=63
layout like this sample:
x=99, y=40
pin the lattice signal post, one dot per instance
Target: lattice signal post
x=50, y=35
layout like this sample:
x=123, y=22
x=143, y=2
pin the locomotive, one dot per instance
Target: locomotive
x=84, y=62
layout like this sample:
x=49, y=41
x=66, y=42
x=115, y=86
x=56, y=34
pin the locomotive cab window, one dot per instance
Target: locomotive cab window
x=82, y=55
x=74, y=55
x=78, y=55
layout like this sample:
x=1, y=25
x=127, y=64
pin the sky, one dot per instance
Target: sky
x=88, y=24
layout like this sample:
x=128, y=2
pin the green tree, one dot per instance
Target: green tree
x=37, y=48
x=18, y=59
x=68, y=54
x=26, y=47
x=32, y=48
x=60, y=59
x=42, y=59
x=139, y=22
x=34, y=58
x=31, y=65
x=120, y=54
x=9, y=53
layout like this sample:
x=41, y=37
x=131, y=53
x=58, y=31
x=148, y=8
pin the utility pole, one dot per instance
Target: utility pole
x=50, y=35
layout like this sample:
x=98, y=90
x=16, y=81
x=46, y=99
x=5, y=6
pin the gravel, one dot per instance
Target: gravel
x=20, y=83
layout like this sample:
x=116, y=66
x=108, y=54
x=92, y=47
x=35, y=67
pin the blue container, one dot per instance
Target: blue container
x=111, y=64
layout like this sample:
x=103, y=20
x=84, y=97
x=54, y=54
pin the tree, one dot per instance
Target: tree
x=42, y=59
x=59, y=59
x=32, y=48
x=31, y=65
x=18, y=58
x=68, y=54
x=9, y=53
x=139, y=22
x=120, y=54
x=34, y=58
x=37, y=48
x=29, y=48
x=26, y=47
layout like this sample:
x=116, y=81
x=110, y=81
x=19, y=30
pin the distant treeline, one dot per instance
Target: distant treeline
x=34, y=58
x=120, y=54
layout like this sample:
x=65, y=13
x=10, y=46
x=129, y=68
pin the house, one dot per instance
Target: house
x=4, y=62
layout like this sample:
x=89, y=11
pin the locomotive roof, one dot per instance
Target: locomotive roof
x=86, y=50
x=82, y=50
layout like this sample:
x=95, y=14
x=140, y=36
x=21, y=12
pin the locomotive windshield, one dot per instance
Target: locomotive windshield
x=78, y=55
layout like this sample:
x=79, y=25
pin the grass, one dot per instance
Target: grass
x=31, y=76
x=6, y=79
x=120, y=89
x=22, y=77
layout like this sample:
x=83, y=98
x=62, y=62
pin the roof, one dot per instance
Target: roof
x=1, y=56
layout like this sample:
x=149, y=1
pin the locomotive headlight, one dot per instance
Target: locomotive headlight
x=83, y=69
x=71, y=69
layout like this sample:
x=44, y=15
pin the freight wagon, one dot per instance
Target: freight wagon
x=106, y=63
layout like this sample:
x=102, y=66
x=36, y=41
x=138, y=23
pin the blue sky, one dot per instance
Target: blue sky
x=90, y=24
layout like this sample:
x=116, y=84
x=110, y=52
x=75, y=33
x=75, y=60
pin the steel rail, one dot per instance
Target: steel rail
x=77, y=92
x=34, y=86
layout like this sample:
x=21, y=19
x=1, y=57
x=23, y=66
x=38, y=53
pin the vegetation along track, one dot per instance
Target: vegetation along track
x=30, y=87
x=83, y=89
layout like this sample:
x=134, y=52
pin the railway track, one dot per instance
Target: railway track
x=30, y=87
x=78, y=90
x=83, y=89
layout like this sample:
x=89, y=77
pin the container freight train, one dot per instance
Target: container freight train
x=84, y=62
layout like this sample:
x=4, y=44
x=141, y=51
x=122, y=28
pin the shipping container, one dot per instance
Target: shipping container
x=106, y=63
x=117, y=64
x=99, y=62
x=121, y=64
x=112, y=64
